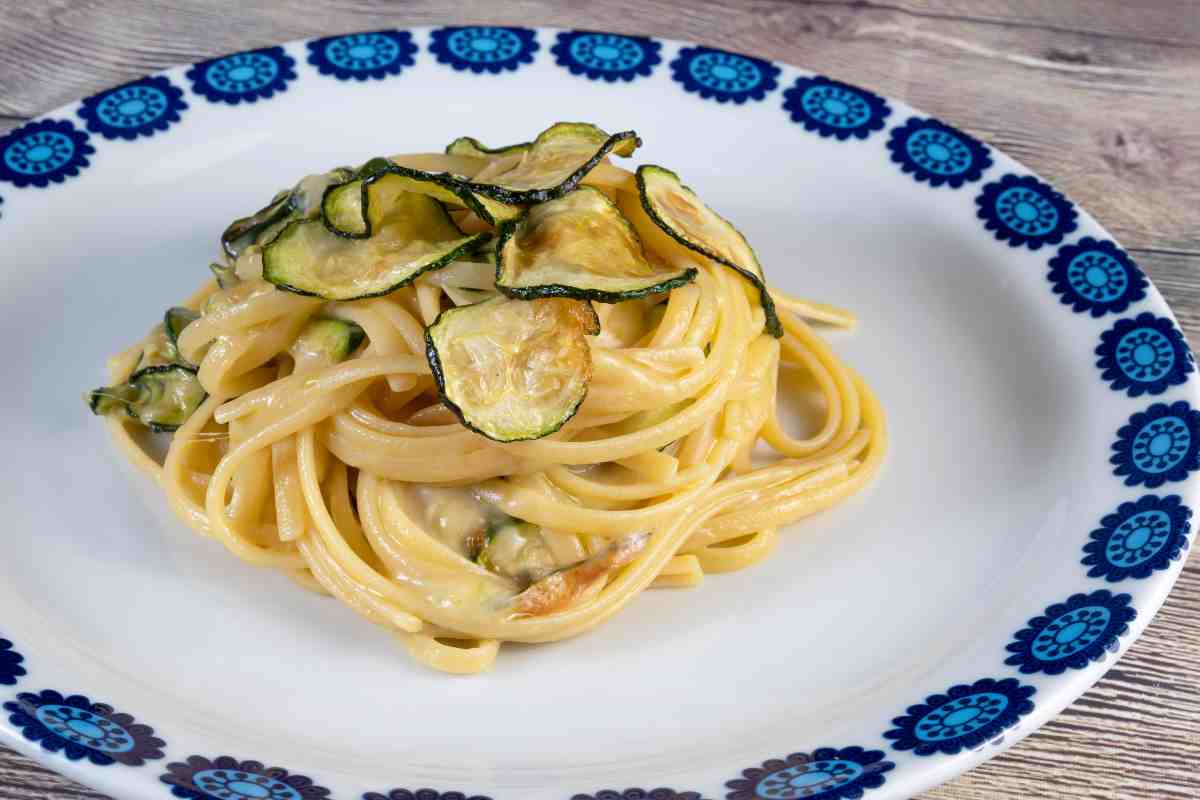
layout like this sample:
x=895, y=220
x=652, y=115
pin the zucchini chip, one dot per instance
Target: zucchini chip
x=159, y=397
x=580, y=246
x=352, y=208
x=325, y=341
x=511, y=369
x=411, y=234
x=552, y=165
x=684, y=217
x=473, y=148
x=300, y=202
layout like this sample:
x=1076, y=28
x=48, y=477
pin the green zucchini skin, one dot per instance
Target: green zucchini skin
x=226, y=276
x=242, y=232
x=297, y=202
x=276, y=274
x=327, y=340
x=136, y=395
x=510, y=229
x=470, y=146
x=175, y=320
x=379, y=168
x=622, y=143
x=773, y=325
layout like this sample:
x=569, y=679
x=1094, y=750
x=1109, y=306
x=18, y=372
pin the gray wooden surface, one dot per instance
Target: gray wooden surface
x=1101, y=96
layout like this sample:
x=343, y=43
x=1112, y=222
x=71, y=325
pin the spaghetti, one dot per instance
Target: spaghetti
x=356, y=479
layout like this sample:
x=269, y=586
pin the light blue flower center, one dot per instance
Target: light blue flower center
x=1071, y=632
x=809, y=780
x=1138, y=539
x=84, y=728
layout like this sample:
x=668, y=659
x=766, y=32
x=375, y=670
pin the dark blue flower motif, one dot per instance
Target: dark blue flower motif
x=135, y=109
x=1073, y=634
x=1158, y=445
x=965, y=717
x=633, y=794
x=827, y=773
x=1021, y=210
x=226, y=778
x=723, y=76
x=484, y=49
x=606, y=56
x=41, y=152
x=421, y=794
x=1097, y=277
x=10, y=663
x=932, y=151
x=83, y=729
x=1138, y=539
x=1144, y=355
x=243, y=77
x=360, y=56
x=835, y=109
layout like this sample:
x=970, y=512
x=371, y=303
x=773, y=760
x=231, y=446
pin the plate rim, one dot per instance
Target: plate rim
x=902, y=775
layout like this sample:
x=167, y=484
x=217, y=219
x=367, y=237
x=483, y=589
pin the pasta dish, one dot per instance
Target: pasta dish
x=492, y=394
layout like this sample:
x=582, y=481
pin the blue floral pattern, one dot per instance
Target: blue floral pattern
x=1073, y=634
x=606, y=56
x=723, y=76
x=1158, y=445
x=363, y=56
x=1021, y=210
x=635, y=794
x=43, y=152
x=965, y=717
x=83, y=729
x=834, y=109
x=1146, y=355
x=10, y=664
x=139, y=108
x=226, y=778
x=1139, y=539
x=932, y=151
x=484, y=48
x=828, y=773
x=421, y=794
x=1096, y=277
x=243, y=77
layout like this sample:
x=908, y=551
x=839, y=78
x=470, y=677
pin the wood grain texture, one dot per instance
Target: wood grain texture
x=1102, y=96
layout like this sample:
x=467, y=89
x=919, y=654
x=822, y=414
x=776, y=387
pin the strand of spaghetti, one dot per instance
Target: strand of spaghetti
x=288, y=423
x=677, y=319
x=579, y=485
x=296, y=389
x=262, y=303
x=818, y=312
x=726, y=557
x=801, y=345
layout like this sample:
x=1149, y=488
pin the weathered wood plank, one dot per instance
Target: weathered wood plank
x=1102, y=96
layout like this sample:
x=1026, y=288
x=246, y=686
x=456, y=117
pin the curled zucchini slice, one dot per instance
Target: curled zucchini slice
x=175, y=320
x=516, y=550
x=325, y=341
x=160, y=397
x=511, y=369
x=353, y=209
x=299, y=202
x=580, y=246
x=472, y=147
x=685, y=218
x=552, y=165
x=415, y=234
x=226, y=276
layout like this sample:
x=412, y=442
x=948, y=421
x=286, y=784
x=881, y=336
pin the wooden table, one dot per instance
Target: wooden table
x=1101, y=96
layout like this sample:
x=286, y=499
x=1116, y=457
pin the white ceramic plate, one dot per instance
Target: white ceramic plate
x=1027, y=526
